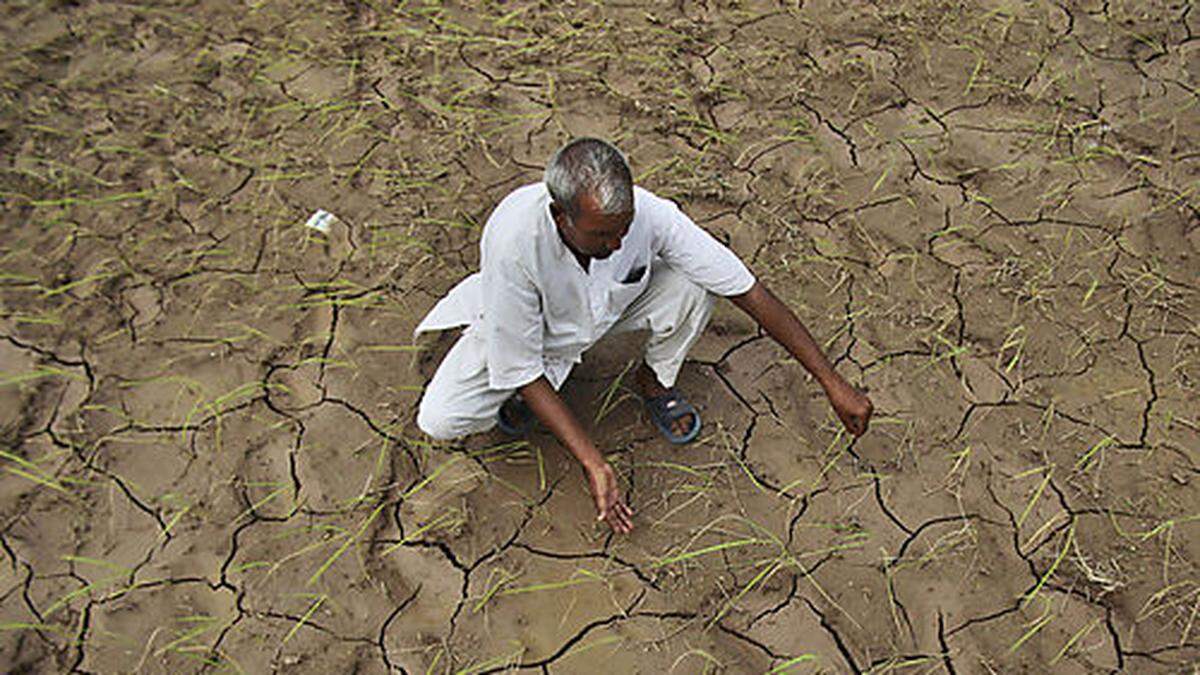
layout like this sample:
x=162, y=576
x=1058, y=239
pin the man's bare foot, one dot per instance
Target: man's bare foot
x=651, y=387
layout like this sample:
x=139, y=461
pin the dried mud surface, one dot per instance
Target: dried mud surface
x=987, y=212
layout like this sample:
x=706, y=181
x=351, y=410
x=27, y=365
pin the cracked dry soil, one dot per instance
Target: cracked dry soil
x=986, y=211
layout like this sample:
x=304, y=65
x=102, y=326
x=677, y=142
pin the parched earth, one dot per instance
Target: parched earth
x=987, y=212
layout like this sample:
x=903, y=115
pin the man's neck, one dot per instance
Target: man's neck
x=585, y=261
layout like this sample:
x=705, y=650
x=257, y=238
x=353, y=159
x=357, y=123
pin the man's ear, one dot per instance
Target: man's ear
x=557, y=211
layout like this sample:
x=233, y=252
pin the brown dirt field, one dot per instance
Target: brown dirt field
x=988, y=212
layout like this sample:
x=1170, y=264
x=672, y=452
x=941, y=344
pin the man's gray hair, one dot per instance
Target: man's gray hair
x=594, y=167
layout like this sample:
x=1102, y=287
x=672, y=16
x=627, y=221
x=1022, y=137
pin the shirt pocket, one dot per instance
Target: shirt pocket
x=634, y=275
x=622, y=295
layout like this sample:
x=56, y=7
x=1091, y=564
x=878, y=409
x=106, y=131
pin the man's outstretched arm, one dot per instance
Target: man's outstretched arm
x=852, y=406
x=602, y=480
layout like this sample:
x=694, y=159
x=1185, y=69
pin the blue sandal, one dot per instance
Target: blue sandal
x=519, y=413
x=667, y=408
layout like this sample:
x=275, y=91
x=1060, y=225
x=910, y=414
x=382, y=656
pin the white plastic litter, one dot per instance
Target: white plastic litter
x=320, y=221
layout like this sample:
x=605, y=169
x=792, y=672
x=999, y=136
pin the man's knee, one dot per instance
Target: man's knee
x=444, y=421
x=434, y=421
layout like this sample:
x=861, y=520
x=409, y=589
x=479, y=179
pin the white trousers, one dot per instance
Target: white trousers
x=459, y=402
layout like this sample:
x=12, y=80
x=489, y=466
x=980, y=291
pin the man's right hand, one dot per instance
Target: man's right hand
x=851, y=405
x=610, y=506
x=602, y=480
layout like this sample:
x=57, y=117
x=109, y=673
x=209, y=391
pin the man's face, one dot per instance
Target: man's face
x=591, y=232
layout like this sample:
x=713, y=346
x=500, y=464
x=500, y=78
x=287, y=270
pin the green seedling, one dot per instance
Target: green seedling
x=1037, y=493
x=1094, y=454
x=204, y=624
x=448, y=519
x=609, y=398
x=1074, y=639
x=31, y=472
x=349, y=541
x=1034, y=626
x=1167, y=528
x=786, y=666
x=1033, y=593
x=709, y=660
x=312, y=609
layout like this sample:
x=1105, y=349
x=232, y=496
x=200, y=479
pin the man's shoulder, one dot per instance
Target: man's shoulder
x=650, y=203
x=521, y=203
x=516, y=217
x=642, y=195
x=655, y=212
x=524, y=196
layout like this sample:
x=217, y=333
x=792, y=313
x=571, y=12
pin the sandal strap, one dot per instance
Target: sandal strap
x=672, y=405
x=669, y=407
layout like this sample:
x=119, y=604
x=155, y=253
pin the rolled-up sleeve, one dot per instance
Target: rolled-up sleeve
x=512, y=324
x=696, y=254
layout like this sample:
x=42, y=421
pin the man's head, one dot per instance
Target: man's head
x=592, y=191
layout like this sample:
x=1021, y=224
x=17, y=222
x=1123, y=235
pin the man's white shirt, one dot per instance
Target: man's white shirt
x=534, y=308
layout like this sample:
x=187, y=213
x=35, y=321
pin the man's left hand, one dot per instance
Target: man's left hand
x=851, y=405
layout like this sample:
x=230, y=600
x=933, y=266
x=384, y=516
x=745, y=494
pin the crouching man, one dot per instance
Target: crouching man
x=567, y=260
